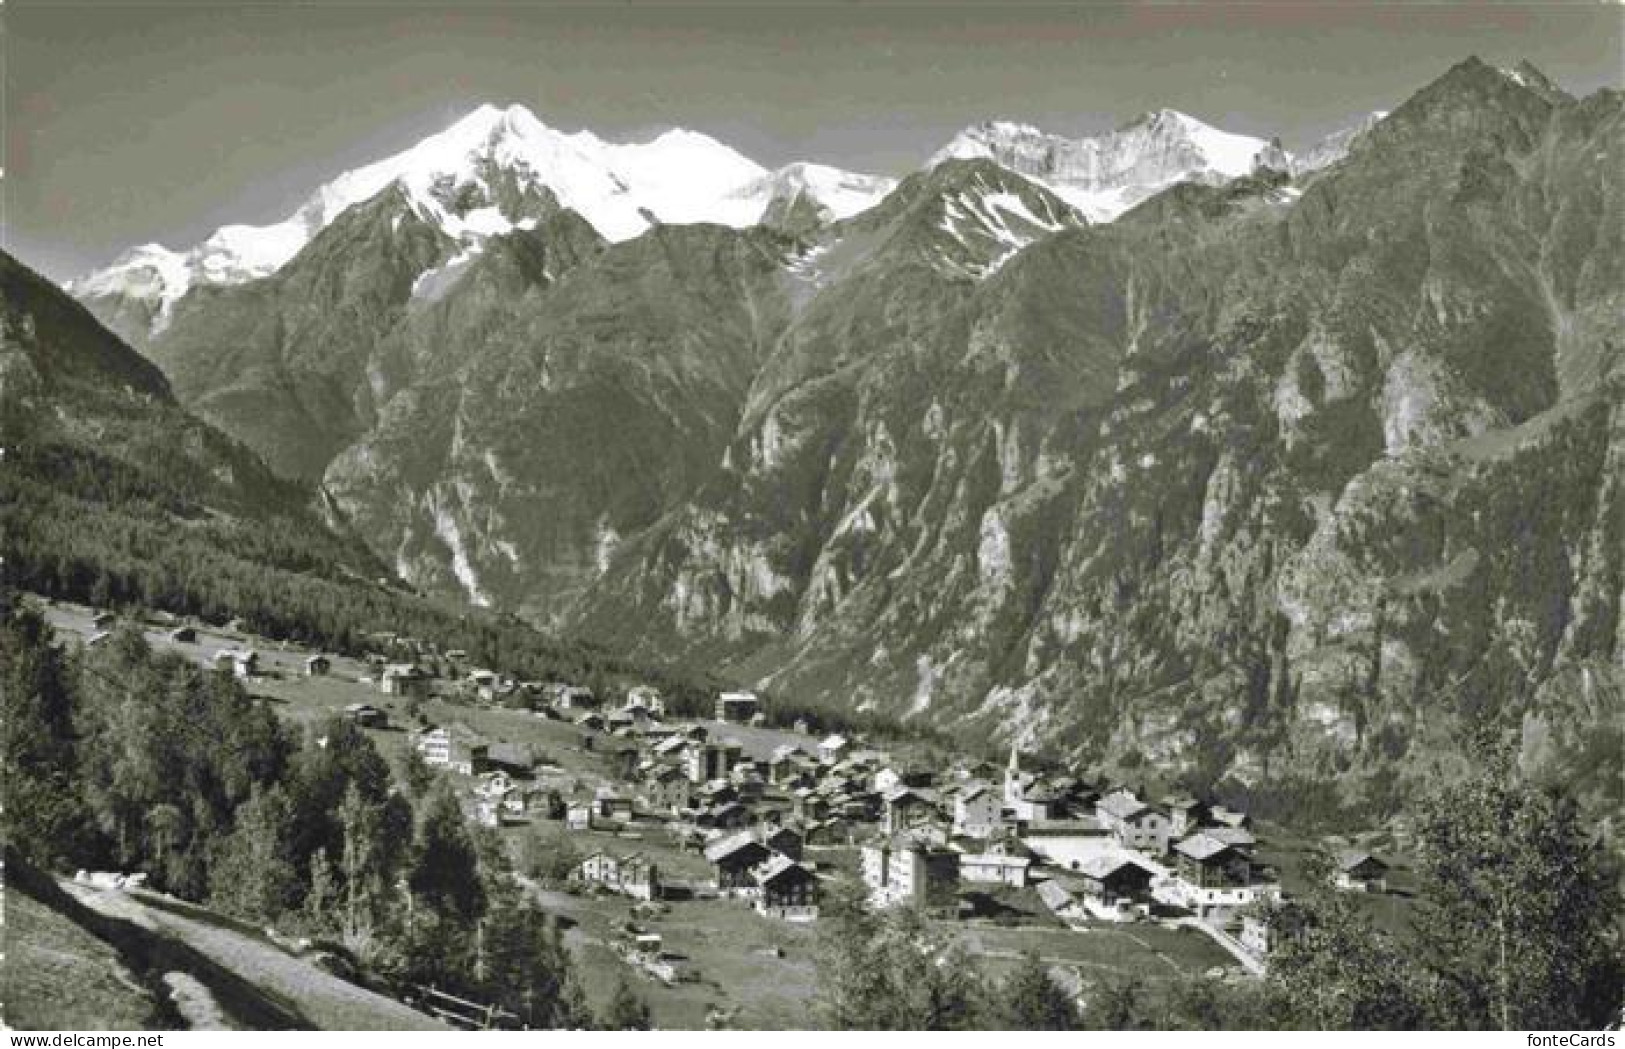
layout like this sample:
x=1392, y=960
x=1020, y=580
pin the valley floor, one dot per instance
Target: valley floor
x=750, y=971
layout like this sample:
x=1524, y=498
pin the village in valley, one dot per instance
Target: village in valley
x=698, y=850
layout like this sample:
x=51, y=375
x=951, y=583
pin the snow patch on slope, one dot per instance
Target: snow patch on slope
x=990, y=225
x=445, y=527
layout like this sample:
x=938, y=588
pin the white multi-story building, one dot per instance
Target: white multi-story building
x=904, y=869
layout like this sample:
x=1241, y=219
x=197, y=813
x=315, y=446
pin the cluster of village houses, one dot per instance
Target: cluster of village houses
x=1091, y=850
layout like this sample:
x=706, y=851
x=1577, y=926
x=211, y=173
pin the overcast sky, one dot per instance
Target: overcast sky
x=126, y=123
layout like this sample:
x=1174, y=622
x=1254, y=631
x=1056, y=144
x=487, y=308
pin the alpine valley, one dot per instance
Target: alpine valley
x=1167, y=446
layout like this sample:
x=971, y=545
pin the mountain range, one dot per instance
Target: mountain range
x=679, y=177
x=1163, y=447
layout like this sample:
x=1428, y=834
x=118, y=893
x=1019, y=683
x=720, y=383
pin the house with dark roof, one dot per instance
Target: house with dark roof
x=611, y=804
x=1360, y=872
x=366, y=715
x=738, y=707
x=786, y=890
x=1213, y=879
x=730, y=815
x=784, y=840
x=906, y=807
x=1114, y=878
x=516, y=758
x=574, y=698
x=734, y=859
x=1206, y=862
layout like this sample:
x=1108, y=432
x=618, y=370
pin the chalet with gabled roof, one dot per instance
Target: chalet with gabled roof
x=734, y=859
x=1115, y=878
x=786, y=890
x=1206, y=862
x=1360, y=872
x=784, y=840
x=1133, y=823
x=403, y=679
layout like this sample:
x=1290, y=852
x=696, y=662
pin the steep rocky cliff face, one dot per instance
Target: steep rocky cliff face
x=1274, y=476
x=572, y=415
x=298, y=364
x=1247, y=482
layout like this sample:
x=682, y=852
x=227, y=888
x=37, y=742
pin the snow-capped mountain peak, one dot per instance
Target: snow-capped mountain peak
x=150, y=272
x=621, y=189
x=830, y=193
x=499, y=168
x=1104, y=175
x=467, y=178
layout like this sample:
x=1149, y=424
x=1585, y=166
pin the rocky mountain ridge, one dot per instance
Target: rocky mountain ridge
x=465, y=179
x=1290, y=478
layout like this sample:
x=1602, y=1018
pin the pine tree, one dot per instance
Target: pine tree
x=255, y=876
x=625, y=1011
x=547, y=854
x=853, y=987
x=43, y=815
x=893, y=972
x=445, y=874
x=414, y=773
x=167, y=829
x=523, y=965
x=1032, y=1001
x=322, y=899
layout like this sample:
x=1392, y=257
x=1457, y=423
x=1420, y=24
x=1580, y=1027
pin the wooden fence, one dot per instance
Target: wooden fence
x=460, y=1012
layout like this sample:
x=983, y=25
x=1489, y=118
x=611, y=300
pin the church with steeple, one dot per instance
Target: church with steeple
x=1023, y=796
